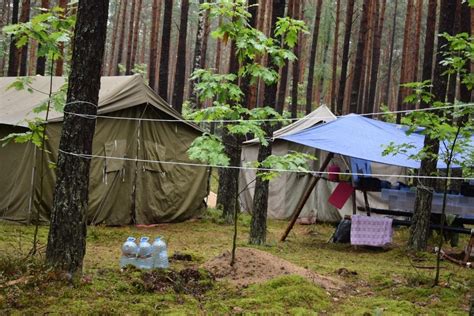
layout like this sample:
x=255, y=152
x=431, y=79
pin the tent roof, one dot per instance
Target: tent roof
x=321, y=114
x=116, y=93
x=364, y=138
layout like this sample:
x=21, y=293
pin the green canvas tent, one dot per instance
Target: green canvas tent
x=131, y=185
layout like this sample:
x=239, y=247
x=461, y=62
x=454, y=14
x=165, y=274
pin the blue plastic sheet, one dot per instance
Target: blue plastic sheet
x=364, y=138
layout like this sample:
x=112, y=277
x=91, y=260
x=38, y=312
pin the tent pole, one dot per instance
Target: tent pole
x=305, y=196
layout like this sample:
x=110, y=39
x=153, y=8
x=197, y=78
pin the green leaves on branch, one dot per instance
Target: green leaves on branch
x=208, y=149
x=48, y=29
x=34, y=134
x=294, y=161
x=288, y=29
x=220, y=87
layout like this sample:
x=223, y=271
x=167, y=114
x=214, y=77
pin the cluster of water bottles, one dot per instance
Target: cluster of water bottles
x=144, y=255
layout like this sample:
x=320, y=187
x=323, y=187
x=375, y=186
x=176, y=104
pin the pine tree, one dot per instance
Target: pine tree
x=24, y=17
x=121, y=46
x=136, y=30
x=179, y=80
x=114, y=36
x=165, y=50
x=60, y=62
x=335, y=51
x=358, y=66
x=345, y=55
x=155, y=26
x=128, y=61
x=312, y=58
x=13, y=52
x=41, y=61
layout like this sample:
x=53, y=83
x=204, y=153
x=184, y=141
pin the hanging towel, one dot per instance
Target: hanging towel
x=371, y=231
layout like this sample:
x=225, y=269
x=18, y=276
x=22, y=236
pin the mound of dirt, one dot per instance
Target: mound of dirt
x=256, y=266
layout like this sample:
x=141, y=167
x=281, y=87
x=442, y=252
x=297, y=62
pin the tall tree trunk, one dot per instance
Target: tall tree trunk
x=121, y=46
x=155, y=25
x=114, y=36
x=13, y=52
x=178, y=91
x=335, y=51
x=67, y=234
x=24, y=17
x=165, y=50
x=141, y=60
x=390, y=59
x=280, y=103
x=296, y=64
x=128, y=62
x=218, y=50
x=465, y=95
x=245, y=81
x=376, y=60
x=429, y=45
x=361, y=43
x=406, y=70
x=258, y=225
x=41, y=61
x=345, y=56
x=136, y=29
x=200, y=50
x=416, y=54
x=421, y=215
x=60, y=62
x=312, y=57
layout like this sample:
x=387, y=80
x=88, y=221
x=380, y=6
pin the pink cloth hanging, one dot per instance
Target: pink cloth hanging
x=371, y=231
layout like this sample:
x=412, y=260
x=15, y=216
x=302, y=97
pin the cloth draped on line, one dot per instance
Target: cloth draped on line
x=371, y=231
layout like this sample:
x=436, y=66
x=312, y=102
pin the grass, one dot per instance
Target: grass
x=379, y=282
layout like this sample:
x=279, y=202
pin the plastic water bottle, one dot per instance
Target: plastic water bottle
x=129, y=252
x=160, y=254
x=145, y=258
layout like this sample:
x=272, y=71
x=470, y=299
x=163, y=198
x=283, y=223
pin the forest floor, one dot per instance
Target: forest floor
x=305, y=275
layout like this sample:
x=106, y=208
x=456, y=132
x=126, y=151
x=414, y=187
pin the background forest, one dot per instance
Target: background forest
x=353, y=57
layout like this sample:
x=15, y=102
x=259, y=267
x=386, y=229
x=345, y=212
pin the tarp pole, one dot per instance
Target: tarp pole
x=305, y=196
x=32, y=187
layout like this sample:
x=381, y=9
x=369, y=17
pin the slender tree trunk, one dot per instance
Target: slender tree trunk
x=165, y=50
x=421, y=215
x=419, y=15
x=218, y=50
x=121, y=46
x=407, y=57
x=200, y=50
x=24, y=17
x=155, y=25
x=114, y=36
x=258, y=225
x=280, y=103
x=141, y=59
x=390, y=59
x=41, y=61
x=312, y=57
x=13, y=52
x=345, y=56
x=245, y=86
x=296, y=64
x=60, y=62
x=136, y=29
x=128, y=62
x=465, y=95
x=67, y=235
x=178, y=91
x=356, y=81
x=334, y=59
x=376, y=59
x=429, y=45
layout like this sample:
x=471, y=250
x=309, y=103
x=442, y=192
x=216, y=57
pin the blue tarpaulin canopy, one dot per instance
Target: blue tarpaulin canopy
x=364, y=138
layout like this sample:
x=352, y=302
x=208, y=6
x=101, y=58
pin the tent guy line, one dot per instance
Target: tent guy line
x=89, y=156
x=92, y=117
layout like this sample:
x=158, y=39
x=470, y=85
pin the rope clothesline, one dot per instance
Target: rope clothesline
x=190, y=164
x=92, y=117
